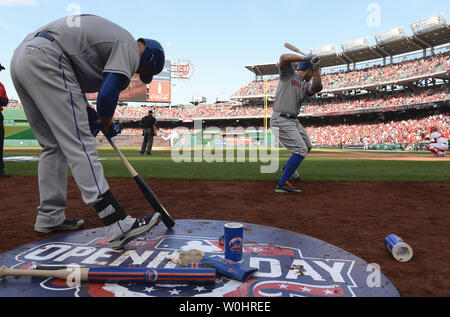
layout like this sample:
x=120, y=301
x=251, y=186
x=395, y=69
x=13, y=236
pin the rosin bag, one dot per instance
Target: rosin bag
x=230, y=269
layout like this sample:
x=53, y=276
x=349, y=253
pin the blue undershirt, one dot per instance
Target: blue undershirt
x=109, y=92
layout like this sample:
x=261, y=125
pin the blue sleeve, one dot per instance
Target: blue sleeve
x=109, y=92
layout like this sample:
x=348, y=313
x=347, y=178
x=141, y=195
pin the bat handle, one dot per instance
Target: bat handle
x=60, y=274
x=123, y=158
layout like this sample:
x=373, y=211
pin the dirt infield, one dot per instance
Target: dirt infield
x=354, y=216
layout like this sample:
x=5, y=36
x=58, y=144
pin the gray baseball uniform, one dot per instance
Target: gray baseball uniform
x=284, y=123
x=51, y=77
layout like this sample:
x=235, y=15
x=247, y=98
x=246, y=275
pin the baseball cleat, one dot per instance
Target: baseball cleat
x=295, y=177
x=68, y=224
x=287, y=188
x=139, y=228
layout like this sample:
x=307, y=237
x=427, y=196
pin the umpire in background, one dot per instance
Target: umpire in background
x=3, y=103
x=148, y=124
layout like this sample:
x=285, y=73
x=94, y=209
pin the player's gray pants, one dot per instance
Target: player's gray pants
x=56, y=110
x=291, y=134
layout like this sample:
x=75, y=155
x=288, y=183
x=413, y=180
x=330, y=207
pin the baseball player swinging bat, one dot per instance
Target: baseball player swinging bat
x=118, y=274
x=145, y=189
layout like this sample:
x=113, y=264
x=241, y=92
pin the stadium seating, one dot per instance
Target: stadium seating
x=378, y=75
x=375, y=75
x=403, y=132
x=394, y=132
x=375, y=102
x=399, y=132
x=311, y=107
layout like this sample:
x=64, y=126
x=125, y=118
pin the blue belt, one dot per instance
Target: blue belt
x=288, y=116
x=46, y=36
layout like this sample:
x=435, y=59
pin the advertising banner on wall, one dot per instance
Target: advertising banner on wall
x=166, y=73
x=159, y=91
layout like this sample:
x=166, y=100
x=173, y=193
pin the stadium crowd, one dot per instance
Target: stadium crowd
x=313, y=106
x=363, y=77
x=257, y=88
x=400, y=132
x=395, y=99
x=394, y=132
x=191, y=112
x=389, y=73
x=162, y=132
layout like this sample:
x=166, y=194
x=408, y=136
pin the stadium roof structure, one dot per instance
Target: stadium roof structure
x=427, y=34
x=264, y=69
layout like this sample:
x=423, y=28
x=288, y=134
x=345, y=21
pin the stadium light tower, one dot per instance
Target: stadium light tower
x=429, y=24
x=390, y=36
x=325, y=50
x=356, y=45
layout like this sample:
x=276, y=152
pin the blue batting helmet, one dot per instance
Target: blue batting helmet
x=152, y=60
x=304, y=65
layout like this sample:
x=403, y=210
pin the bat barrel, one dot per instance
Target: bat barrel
x=293, y=48
x=154, y=201
x=62, y=274
x=166, y=218
x=3, y=271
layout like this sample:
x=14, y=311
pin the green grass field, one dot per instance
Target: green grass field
x=161, y=166
x=10, y=131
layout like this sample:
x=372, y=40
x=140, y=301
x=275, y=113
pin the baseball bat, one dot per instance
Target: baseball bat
x=166, y=218
x=119, y=275
x=293, y=48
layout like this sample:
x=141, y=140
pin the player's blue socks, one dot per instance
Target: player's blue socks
x=292, y=164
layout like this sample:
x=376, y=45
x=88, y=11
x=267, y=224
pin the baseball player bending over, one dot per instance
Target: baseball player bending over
x=51, y=70
x=439, y=143
x=293, y=87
